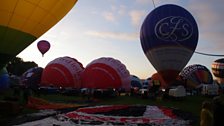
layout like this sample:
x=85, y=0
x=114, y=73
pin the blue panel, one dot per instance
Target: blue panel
x=169, y=25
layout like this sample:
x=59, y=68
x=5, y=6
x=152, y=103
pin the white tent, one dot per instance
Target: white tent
x=179, y=91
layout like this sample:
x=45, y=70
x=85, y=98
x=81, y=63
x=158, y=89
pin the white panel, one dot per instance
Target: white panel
x=169, y=58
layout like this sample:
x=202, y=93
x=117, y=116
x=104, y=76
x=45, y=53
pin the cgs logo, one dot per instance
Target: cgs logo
x=173, y=29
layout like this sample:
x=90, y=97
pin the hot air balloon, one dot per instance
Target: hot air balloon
x=4, y=79
x=195, y=75
x=158, y=80
x=218, y=70
x=169, y=36
x=43, y=46
x=23, y=21
x=32, y=77
x=62, y=72
x=136, y=82
x=105, y=73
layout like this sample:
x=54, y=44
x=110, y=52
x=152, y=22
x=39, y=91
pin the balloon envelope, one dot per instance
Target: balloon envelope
x=169, y=36
x=104, y=73
x=218, y=70
x=195, y=75
x=23, y=21
x=43, y=46
x=136, y=82
x=62, y=72
x=32, y=77
x=4, y=79
x=158, y=80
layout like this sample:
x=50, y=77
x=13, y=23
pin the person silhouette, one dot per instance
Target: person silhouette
x=206, y=116
x=218, y=110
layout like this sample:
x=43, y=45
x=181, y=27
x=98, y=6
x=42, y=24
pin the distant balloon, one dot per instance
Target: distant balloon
x=62, y=72
x=136, y=82
x=169, y=36
x=157, y=79
x=43, y=46
x=218, y=70
x=4, y=79
x=23, y=21
x=32, y=77
x=195, y=75
x=104, y=73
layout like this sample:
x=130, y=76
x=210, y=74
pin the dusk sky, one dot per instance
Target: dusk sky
x=111, y=28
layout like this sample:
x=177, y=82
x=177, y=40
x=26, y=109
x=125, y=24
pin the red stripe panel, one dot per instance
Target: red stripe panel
x=100, y=76
x=58, y=75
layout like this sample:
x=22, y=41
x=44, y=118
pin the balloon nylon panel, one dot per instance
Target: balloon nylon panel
x=13, y=41
x=32, y=16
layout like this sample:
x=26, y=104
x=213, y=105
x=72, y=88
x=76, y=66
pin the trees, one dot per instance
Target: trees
x=17, y=66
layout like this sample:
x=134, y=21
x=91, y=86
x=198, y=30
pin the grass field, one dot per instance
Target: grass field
x=191, y=104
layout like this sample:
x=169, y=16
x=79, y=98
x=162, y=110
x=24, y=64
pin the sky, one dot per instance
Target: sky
x=111, y=28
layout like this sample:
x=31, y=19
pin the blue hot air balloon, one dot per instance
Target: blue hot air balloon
x=169, y=36
x=4, y=79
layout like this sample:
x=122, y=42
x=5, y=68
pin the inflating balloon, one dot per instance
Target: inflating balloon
x=43, y=46
x=4, y=79
x=169, y=36
x=136, y=82
x=104, y=73
x=23, y=21
x=218, y=70
x=62, y=72
x=32, y=77
x=195, y=75
x=158, y=80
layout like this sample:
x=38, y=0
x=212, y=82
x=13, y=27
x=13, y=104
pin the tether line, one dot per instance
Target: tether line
x=153, y=3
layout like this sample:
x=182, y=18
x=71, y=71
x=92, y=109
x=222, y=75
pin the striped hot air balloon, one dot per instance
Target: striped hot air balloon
x=104, y=73
x=62, y=72
x=218, y=70
x=195, y=75
x=169, y=36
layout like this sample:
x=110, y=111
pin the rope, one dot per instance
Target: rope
x=153, y=3
x=207, y=54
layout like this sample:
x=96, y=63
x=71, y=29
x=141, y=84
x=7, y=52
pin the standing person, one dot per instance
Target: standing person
x=218, y=108
x=206, y=118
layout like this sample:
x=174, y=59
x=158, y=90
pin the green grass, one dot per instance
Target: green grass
x=191, y=104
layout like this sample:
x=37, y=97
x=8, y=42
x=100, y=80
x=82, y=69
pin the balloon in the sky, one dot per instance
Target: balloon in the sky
x=62, y=72
x=218, y=70
x=169, y=36
x=43, y=46
x=4, y=79
x=23, y=21
x=195, y=75
x=104, y=73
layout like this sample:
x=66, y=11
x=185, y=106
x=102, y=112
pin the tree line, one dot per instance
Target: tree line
x=17, y=66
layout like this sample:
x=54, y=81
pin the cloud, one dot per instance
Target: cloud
x=114, y=13
x=121, y=10
x=114, y=35
x=109, y=16
x=136, y=16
